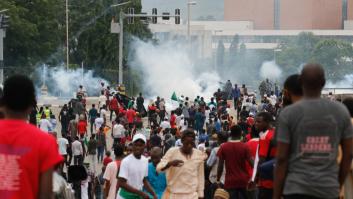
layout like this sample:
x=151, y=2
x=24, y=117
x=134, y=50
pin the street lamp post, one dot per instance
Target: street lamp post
x=121, y=37
x=190, y=3
x=275, y=54
x=67, y=34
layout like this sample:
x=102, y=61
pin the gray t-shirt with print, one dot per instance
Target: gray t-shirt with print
x=314, y=129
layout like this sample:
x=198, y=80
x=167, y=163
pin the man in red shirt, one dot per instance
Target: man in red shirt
x=267, y=152
x=173, y=120
x=130, y=116
x=28, y=156
x=234, y=154
x=82, y=127
x=113, y=107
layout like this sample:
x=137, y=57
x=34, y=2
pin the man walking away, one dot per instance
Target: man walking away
x=308, y=137
x=234, y=155
x=92, y=115
x=77, y=151
x=92, y=151
x=27, y=155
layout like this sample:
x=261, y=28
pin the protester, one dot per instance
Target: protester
x=267, y=152
x=98, y=122
x=27, y=156
x=44, y=123
x=315, y=127
x=110, y=174
x=184, y=169
x=92, y=115
x=292, y=90
x=157, y=180
x=82, y=126
x=213, y=162
x=102, y=100
x=234, y=155
x=92, y=153
x=118, y=132
x=77, y=151
x=63, y=144
x=114, y=107
x=107, y=159
x=348, y=184
x=101, y=144
x=136, y=164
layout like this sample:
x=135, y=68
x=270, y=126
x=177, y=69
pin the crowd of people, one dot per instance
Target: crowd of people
x=289, y=144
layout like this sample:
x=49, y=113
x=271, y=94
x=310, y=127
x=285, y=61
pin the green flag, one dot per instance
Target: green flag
x=174, y=97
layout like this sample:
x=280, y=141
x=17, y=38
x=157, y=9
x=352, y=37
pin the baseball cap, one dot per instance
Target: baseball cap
x=139, y=136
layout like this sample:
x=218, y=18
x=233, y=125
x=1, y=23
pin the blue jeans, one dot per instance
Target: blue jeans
x=100, y=153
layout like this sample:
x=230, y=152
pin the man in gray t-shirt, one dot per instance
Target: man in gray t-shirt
x=309, y=133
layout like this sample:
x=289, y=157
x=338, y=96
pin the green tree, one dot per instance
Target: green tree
x=336, y=56
x=35, y=32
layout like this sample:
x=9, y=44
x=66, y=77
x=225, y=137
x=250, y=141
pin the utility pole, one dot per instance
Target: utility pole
x=67, y=35
x=121, y=41
x=4, y=23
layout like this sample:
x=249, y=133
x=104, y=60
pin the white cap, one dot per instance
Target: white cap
x=139, y=136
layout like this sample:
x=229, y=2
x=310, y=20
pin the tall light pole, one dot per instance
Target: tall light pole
x=67, y=34
x=190, y=3
x=275, y=51
x=121, y=40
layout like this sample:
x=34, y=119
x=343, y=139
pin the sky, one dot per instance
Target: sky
x=203, y=8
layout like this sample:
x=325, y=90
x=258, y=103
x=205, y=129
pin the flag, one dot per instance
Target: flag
x=174, y=97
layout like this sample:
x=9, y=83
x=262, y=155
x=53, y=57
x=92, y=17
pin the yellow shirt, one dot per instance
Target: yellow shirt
x=189, y=178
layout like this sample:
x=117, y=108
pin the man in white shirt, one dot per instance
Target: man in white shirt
x=98, y=122
x=102, y=100
x=63, y=143
x=118, y=132
x=110, y=174
x=134, y=171
x=77, y=151
x=44, y=124
x=103, y=111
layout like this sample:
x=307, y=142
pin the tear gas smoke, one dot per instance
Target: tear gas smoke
x=168, y=68
x=61, y=82
x=270, y=70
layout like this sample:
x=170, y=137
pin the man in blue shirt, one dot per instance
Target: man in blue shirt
x=236, y=95
x=158, y=181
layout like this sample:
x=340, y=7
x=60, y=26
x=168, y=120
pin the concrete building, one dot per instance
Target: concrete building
x=290, y=14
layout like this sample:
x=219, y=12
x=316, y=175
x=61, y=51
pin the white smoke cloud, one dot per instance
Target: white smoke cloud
x=346, y=82
x=167, y=67
x=270, y=70
x=61, y=82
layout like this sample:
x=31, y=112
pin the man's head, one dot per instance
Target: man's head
x=235, y=132
x=81, y=86
x=235, y=85
x=118, y=151
x=188, y=140
x=292, y=91
x=312, y=79
x=18, y=95
x=93, y=105
x=222, y=137
x=263, y=121
x=140, y=94
x=107, y=153
x=93, y=136
x=156, y=155
x=139, y=144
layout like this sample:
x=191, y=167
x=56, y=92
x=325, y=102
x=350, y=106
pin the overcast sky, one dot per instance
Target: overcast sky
x=203, y=7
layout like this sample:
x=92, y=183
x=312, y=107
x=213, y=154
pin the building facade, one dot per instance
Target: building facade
x=290, y=14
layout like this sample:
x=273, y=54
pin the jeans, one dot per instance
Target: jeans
x=237, y=193
x=100, y=153
x=92, y=124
